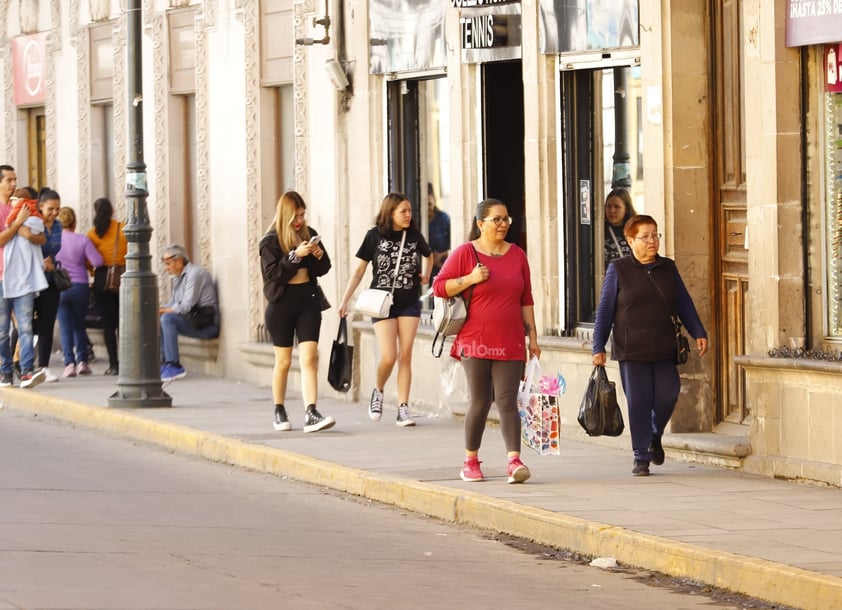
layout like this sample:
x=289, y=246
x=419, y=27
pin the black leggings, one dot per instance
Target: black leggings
x=492, y=381
x=46, y=308
x=109, y=308
x=298, y=313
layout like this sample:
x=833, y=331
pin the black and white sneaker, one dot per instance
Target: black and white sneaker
x=6, y=380
x=281, y=423
x=403, y=418
x=315, y=421
x=375, y=405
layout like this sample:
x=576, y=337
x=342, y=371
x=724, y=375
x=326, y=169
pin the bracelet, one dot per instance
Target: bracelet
x=294, y=258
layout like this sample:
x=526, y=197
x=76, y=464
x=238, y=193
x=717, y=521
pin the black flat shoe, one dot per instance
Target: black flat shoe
x=112, y=370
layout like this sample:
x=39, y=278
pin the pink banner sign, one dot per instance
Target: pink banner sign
x=29, y=54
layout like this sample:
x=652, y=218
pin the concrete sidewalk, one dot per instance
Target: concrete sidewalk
x=776, y=540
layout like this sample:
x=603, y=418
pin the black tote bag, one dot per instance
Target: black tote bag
x=599, y=412
x=341, y=360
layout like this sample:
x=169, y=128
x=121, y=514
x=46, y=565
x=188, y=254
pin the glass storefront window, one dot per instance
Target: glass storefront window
x=601, y=135
x=833, y=197
x=419, y=155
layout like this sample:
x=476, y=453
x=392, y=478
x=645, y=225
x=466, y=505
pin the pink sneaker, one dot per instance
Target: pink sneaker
x=470, y=470
x=518, y=473
x=69, y=371
x=83, y=369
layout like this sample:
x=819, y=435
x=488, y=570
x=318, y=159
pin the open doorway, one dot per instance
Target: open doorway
x=502, y=141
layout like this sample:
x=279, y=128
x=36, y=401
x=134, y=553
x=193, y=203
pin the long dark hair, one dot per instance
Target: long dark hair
x=103, y=211
x=482, y=211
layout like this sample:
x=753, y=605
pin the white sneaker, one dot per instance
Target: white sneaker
x=30, y=380
x=49, y=377
x=375, y=405
x=403, y=416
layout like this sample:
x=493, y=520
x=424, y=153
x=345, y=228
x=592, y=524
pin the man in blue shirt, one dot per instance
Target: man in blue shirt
x=192, y=311
x=438, y=223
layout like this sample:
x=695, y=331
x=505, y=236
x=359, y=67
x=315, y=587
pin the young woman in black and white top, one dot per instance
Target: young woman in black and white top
x=391, y=266
x=291, y=258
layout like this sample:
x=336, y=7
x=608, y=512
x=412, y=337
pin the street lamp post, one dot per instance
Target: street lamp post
x=139, y=381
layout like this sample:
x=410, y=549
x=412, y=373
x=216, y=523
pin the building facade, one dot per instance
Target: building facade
x=721, y=118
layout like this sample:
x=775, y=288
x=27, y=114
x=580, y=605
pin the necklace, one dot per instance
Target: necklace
x=489, y=252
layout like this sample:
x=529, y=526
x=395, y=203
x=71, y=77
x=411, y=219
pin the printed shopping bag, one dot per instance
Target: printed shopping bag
x=537, y=403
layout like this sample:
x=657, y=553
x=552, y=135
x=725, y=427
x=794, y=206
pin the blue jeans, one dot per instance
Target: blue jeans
x=175, y=324
x=23, y=306
x=72, y=307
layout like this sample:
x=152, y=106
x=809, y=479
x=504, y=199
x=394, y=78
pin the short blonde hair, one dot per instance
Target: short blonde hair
x=67, y=217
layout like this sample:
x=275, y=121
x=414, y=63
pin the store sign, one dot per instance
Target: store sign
x=405, y=40
x=813, y=22
x=479, y=3
x=491, y=33
x=833, y=68
x=29, y=67
x=568, y=26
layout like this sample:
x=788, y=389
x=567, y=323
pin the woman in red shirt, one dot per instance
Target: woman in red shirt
x=491, y=345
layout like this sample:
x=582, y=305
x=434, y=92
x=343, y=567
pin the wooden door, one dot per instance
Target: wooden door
x=731, y=235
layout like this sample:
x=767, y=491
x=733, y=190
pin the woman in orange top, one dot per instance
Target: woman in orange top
x=107, y=236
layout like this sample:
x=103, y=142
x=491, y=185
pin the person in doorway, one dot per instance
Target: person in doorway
x=438, y=223
x=47, y=301
x=640, y=294
x=618, y=210
x=192, y=310
x=394, y=248
x=491, y=344
x=107, y=236
x=77, y=255
x=292, y=256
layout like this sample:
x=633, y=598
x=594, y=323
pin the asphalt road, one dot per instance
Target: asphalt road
x=90, y=521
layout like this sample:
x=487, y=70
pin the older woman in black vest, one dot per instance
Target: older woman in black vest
x=639, y=295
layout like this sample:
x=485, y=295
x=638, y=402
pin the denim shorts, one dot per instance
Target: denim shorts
x=413, y=310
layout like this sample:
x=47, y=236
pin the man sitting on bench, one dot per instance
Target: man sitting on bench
x=192, y=311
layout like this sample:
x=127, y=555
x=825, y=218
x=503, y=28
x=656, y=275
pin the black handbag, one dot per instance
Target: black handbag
x=61, y=278
x=340, y=368
x=599, y=411
x=201, y=317
x=682, y=345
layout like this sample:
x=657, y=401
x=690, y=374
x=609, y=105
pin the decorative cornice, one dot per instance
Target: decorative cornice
x=81, y=41
x=120, y=110
x=156, y=26
x=302, y=183
x=7, y=80
x=53, y=45
x=205, y=19
x=251, y=31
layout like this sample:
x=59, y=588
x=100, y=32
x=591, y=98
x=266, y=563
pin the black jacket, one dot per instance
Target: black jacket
x=278, y=270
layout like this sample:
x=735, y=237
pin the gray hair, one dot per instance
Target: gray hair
x=176, y=250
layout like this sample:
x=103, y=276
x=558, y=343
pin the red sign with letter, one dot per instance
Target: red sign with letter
x=833, y=68
x=29, y=55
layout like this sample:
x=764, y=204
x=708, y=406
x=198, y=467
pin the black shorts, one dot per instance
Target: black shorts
x=413, y=310
x=297, y=314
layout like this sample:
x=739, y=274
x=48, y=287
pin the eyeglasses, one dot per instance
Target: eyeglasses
x=168, y=259
x=647, y=238
x=499, y=220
